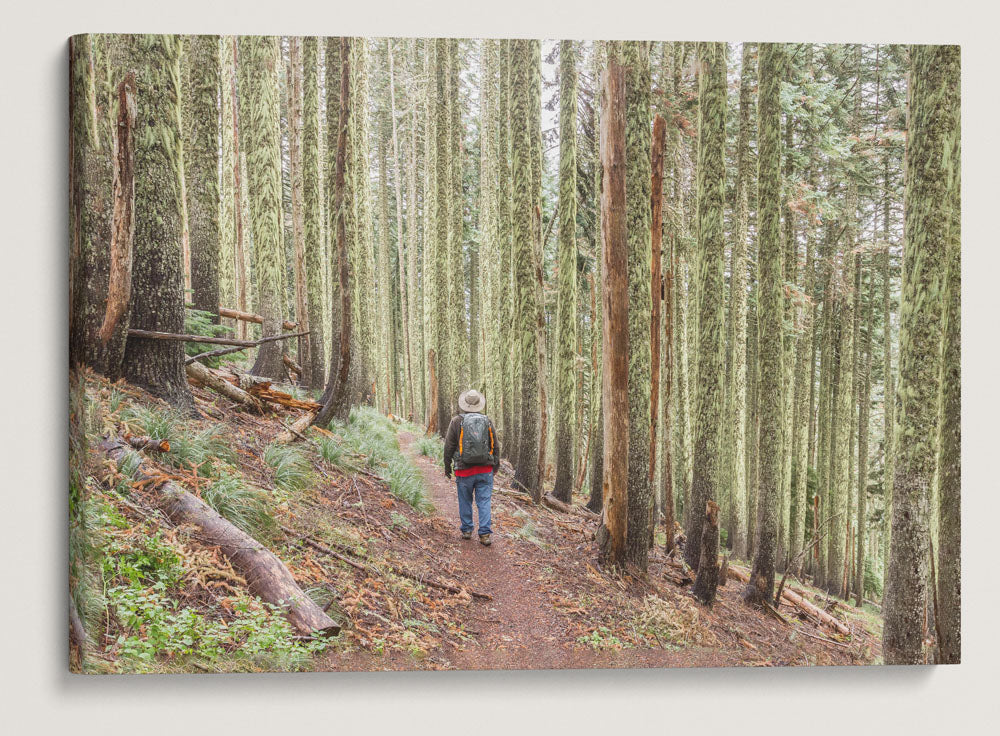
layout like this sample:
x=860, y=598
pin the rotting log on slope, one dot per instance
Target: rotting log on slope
x=266, y=575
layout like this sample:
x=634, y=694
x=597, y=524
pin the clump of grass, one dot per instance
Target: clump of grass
x=243, y=505
x=406, y=483
x=368, y=439
x=675, y=623
x=128, y=466
x=207, y=450
x=292, y=472
x=159, y=424
x=432, y=447
x=115, y=400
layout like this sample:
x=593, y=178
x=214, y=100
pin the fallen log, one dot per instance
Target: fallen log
x=181, y=337
x=200, y=374
x=567, y=508
x=77, y=631
x=265, y=574
x=255, y=318
x=238, y=348
x=264, y=392
x=260, y=388
x=796, y=600
x=147, y=443
x=296, y=429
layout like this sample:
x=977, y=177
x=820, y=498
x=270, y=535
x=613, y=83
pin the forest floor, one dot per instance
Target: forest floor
x=373, y=491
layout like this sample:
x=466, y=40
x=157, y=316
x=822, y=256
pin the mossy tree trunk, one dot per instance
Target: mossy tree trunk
x=637, y=184
x=157, y=301
x=932, y=175
x=508, y=310
x=523, y=257
x=312, y=193
x=949, y=563
x=90, y=224
x=771, y=68
x=566, y=360
x=595, y=502
x=614, y=272
x=201, y=164
x=261, y=139
x=737, y=392
x=707, y=469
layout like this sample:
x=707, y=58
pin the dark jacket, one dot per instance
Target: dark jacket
x=451, y=446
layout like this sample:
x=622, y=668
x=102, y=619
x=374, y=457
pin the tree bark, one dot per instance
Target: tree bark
x=335, y=400
x=707, y=581
x=770, y=317
x=157, y=300
x=114, y=330
x=614, y=270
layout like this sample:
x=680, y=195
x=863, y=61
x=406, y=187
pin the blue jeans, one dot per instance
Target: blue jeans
x=480, y=488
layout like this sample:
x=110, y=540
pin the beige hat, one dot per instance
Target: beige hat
x=472, y=401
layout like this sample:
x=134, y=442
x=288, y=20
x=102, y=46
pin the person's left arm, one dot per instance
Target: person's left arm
x=450, y=445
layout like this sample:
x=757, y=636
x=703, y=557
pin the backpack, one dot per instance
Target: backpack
x=475, y=440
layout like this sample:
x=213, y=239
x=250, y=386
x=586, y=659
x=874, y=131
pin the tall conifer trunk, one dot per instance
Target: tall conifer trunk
x=931, y=182
x=566, y=360
x=522, y=214
x=711, y=245
x=201, y=162
x=258, y=69
x=771, y=66
x=157, y=276
x=312, y=232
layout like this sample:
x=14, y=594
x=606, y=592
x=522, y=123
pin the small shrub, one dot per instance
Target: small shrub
x=154, y=628
x=198, y=322
x=150, y=562
x=601, y=638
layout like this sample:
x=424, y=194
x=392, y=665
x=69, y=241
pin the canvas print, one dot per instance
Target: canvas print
x=449, y=353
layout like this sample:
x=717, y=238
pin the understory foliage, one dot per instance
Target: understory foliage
x=150, y=597
x=368, y=440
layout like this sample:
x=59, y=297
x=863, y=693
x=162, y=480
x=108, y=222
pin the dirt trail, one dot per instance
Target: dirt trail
x=518, y=629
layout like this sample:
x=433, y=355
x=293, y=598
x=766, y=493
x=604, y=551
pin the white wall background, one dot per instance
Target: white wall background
x=39, y=696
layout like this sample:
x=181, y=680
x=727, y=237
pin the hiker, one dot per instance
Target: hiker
x=472, y=442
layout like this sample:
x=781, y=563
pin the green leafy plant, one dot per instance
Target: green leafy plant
x=198, y=322
x=601, y=638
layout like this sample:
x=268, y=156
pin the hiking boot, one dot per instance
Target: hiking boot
x=466, y=535
x=484, y=539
